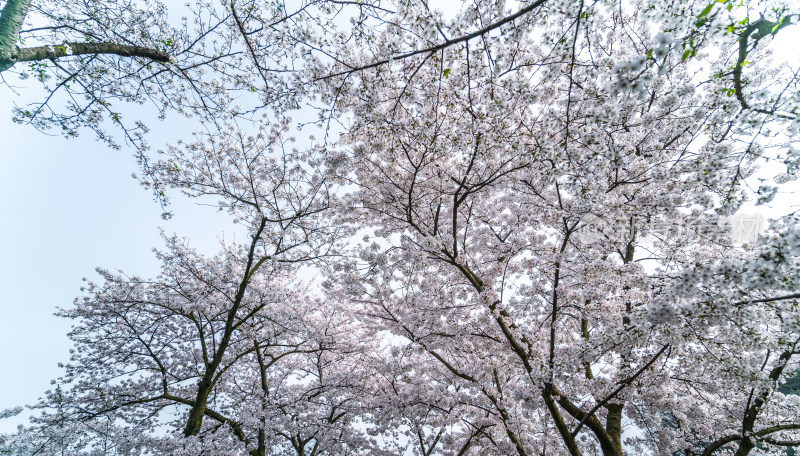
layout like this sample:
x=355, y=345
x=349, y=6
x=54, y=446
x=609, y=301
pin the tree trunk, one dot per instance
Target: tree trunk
x=262, y=448
x=569, y=441
x=614, y=430
x=195, y=419
x=11, y=18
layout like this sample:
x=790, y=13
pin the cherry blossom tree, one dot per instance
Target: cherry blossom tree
x=232, y=351
x=95, y=59
x=516, y=215
x=478, y=161
x=90, y=54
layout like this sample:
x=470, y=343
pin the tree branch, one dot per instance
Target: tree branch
x=444, y=44
x=714, y=446
x=68, y=49
x=763, y=300
x=756, y=30
x=622, y=385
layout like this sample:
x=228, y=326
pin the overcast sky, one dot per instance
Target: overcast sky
x=67, y=207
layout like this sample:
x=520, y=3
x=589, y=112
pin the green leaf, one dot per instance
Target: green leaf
x=706, y=10
x=686, y=54
x=447, y=72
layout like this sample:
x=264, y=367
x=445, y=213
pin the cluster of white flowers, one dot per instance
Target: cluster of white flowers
x=464, y=291
x=663, y=45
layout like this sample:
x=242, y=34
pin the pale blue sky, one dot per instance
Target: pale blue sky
x=67, y=207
